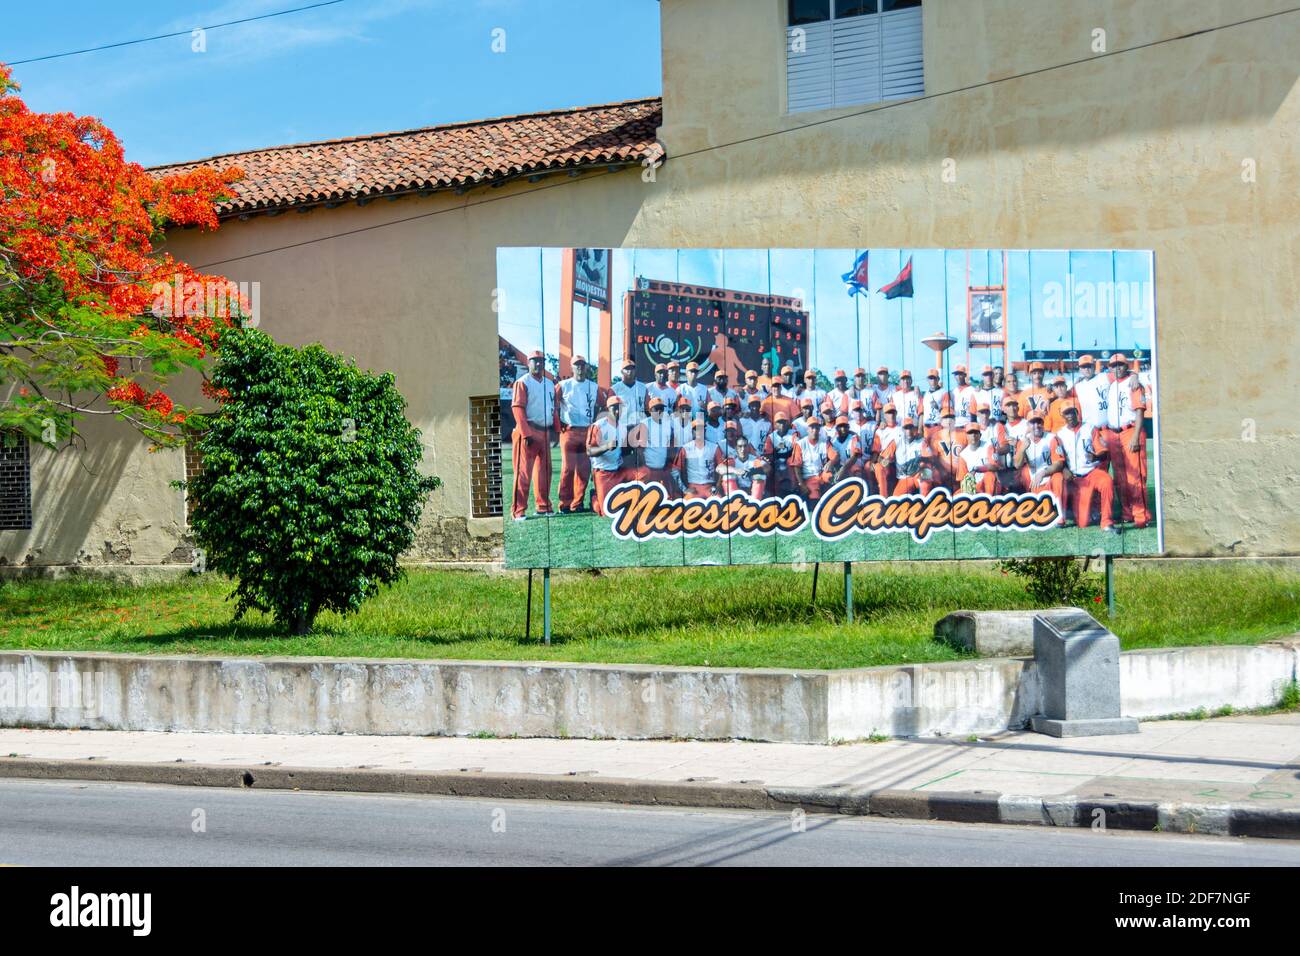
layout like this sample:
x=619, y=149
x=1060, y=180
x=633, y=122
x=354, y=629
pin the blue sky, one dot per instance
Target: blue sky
x=360, y=66
x=1056, y=300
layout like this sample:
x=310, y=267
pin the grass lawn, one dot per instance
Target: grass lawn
x=739, y=617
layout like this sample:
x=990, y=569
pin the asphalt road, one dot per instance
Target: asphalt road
x=88, y=824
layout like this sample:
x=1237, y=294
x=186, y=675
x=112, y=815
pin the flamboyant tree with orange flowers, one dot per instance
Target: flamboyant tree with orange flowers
x=94, y=319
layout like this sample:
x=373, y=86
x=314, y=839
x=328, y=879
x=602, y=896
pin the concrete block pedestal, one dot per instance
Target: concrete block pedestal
x=1078, y=661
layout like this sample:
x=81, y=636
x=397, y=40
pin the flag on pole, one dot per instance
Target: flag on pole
x=902, y=286
x=857, y=279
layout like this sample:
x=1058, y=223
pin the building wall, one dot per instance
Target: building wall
x=1139, y=150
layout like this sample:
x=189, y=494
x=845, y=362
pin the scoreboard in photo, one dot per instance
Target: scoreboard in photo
x=718, y=328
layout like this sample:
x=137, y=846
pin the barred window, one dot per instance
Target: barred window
x=15, y=482
x=485, y=456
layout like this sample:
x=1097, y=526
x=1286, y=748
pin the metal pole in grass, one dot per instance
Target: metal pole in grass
x=816, y=567
x=848, y=590
x=546, y=605
x=528, y=615
x=1110, y=586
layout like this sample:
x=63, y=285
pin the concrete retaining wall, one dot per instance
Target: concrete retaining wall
x=331, y=696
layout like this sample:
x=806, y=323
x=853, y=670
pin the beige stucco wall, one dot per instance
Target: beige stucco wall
x=1140, y=150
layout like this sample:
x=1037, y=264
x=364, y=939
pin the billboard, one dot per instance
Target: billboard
x=804, y=405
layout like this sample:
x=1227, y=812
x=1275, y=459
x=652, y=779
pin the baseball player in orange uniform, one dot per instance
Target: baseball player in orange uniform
x=1060, y=395
x=978, y=461
x=913, y=460
x=1126, y=440
x=605, y=442
x=887, y=434
x=932, y=403
x=1040, y=462
x=661, y=387
x=537, y=423
x=778, y=450
x=946, y=448
x=1037, y=397
x=578, y=401
x=778, y=402
x=1005, y=437
x=1081, y=447
x=848, y=449
x=813, y=462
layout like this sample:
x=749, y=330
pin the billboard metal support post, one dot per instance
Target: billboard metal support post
x=528, y=614
x=546, y=605
x=848, y=590
x=816, y=567
x=1110, y=586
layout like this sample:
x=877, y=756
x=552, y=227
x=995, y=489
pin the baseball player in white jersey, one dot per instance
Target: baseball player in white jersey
x=696, y=465
x=778, y=450
x=848, y=449
x=634, y=395
x=813, y=462
x=1082, y=447
x=964, y=398
x=990, y=393
x=1040, y=462
x=661, y=388
x=882, y=393
x=810, y=391
x=657, y=446
x=840, y=395
x=755, y=425
x=720, y=391
x=578, y=399
x=694, y=391
x=906, y=399
x=977, y=469
x=1126, y=440
x=742, y=470
x=933, y=402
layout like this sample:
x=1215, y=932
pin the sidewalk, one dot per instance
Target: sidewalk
x=1232, y=775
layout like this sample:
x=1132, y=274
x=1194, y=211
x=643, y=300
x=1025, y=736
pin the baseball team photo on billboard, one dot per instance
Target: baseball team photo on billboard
x=666, y=407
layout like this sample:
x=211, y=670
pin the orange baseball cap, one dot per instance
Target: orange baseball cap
x=842, y=420
x=810, y=373
x=889, y=407
x=882, y=368
x=974, y=427
x=787, y=370
x=683, y=402
x=1010, y=400
x=1087, y=360
x=1036, y=367
x=578, y=360
x=661, y=367
x=910, y=423
x=628, y=363
x=656, y=403
x=1119, y=358
x=751, y=374
x=812, y=420
x=987, y=370
x=692, y=365
x=947, y=412
x=698, y=421
x=933, y=373
x=855, y=405
x=859, y=371
x=613, y=400
x=959, y=369
x=732, y=400
x=1060, y=380
x=983, y=407
x=806, y=401
x=1068, y=404
x=755, y=398
x=781, y=417
x=713, y=405
x=730, y=427
x=1036, y=416
x=904, y=374
x=536, y=354
x=840, y=373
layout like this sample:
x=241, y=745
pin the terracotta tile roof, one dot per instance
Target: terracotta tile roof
x=437, y=157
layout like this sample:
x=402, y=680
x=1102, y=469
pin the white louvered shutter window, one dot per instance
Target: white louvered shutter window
x=849, y=52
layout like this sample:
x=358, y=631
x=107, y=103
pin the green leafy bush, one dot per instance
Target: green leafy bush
x=310, y=487
x=1055, y=581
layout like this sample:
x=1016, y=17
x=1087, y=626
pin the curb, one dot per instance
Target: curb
x=977, y=806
